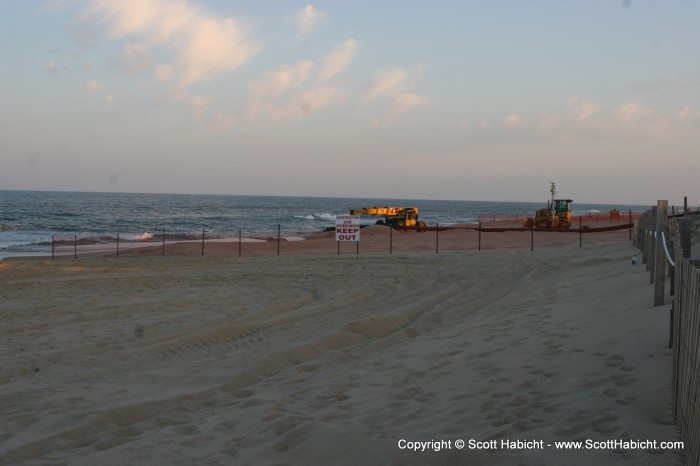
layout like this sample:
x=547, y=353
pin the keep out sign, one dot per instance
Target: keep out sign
x=347, y=228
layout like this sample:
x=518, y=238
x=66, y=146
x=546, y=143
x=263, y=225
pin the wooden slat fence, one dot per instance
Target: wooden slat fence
x=654, y=230
x=686, y=352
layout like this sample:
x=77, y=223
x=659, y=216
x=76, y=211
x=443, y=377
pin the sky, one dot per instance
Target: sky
x=463, y=100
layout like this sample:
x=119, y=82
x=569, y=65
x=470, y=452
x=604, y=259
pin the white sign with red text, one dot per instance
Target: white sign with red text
x=347, y=228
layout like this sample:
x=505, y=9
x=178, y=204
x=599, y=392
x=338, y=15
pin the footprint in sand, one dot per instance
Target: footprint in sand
x=624, y=381
x=615, y=360
x=529, y=383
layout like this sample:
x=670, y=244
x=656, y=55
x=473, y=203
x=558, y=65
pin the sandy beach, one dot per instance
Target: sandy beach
x=335, y=359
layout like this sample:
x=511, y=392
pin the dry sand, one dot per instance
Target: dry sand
x=333, y=359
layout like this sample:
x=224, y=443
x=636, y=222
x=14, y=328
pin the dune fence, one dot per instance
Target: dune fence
x=686, y=339
x=666, y=243
x=489, y=233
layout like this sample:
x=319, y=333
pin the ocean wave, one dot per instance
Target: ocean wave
x=9, y=226
x=321, y=216
x=18, y=243
x=22, y=243
x=141, y=237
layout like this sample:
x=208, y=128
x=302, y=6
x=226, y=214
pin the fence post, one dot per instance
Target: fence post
x=202, y=242
x=75, y=246
x=117, y=244
x=391, y=240
x=684, y=229
x=437, y=237
x=645, y=239
x=479, y=236
x=660, y=256
x=279, y=230
x=239, y=242
x=671, y=230
x=630, y=225
x=52, y=247
x=532, y=234
x=163, y=241
x=651, y=242
x=580, y=232
x=674, y=300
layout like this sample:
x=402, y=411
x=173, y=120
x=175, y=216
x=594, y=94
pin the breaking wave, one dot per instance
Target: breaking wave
x=142, y=237
x=323, y=217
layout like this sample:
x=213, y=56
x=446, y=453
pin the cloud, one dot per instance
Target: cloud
x=282, y=79
x=582, y=110
x=55, y=70
x=396, y=85
x=336, y=62
x=274, y=84
x=198, y=105
x=586, y=119
x=387, y=82
x=308, y=18
x=163, y=73
x=91, y=87
x=307, y=102
x=512, y=120
x=686, y=113
x=203, y=45
x=135, y=57
x=288, y=92
x=632, y=112
x=576, y=113
x=406, y=101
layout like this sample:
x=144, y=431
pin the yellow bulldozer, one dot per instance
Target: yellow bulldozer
x=556, y=215
x=397, y=217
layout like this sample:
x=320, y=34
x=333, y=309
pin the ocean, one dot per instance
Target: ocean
x=29, y=219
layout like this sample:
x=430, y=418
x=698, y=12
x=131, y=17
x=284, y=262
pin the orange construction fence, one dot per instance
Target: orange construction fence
x=504, y=232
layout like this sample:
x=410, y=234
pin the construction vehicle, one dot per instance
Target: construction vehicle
x=556, y=215
x=397, y=217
